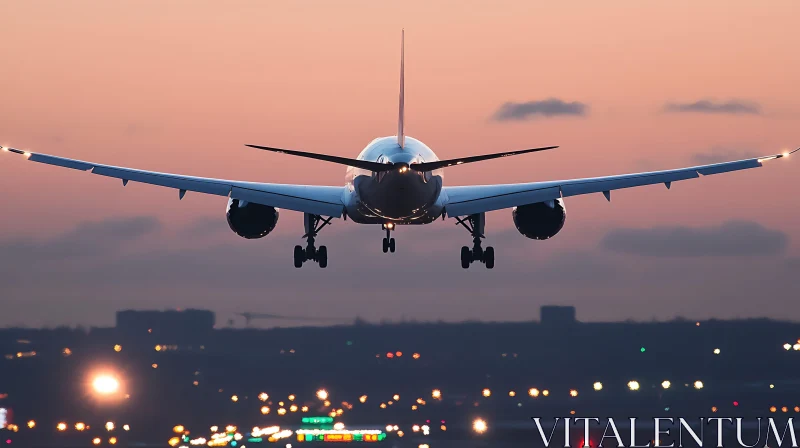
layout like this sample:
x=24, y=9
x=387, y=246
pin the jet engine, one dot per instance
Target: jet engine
x=541, y=220
x=250, y=220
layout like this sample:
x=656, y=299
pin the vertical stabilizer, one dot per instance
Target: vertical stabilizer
x=400, y=133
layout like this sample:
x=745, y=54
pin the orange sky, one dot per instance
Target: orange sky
x=180, y=86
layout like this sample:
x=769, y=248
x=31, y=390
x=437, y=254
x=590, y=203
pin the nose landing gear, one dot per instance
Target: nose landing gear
x=388, y=241
x=313, y=224
x=474, y=225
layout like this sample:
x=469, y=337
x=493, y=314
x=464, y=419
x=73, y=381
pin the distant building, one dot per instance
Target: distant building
x=554, y=315
x=169, y=322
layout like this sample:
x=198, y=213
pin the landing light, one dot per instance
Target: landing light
x=786, y=154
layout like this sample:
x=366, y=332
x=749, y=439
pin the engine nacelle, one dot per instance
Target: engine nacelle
x=542, y=220
x=250, y=220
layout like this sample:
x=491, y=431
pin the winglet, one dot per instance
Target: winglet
x=401, y=140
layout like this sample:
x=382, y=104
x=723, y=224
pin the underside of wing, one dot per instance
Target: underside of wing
x=468, y=200
x=318, y=200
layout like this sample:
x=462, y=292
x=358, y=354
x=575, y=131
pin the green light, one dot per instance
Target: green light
x=255, y=439
x=349, y=342
x=642, y=349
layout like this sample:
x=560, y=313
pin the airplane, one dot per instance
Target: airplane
x=397, y=180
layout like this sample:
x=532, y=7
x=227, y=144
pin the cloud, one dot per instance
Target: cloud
x=717, y=155
x=735, y=107
x=86, y=239
x=552, y=107
x=731, y=239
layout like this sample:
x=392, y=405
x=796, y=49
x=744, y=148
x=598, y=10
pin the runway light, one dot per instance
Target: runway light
x=716, y=351
x=126, y=427
x=322, y=394
x=109, y=426
x=698, y=385
x=796, y=347
x=787, y=346
x=545, y=392
x=281, y=411
x=573, y=393
x=436, y=394
x=512, y=394
x=666, y=384
x=396, y=397
x=264, y=410
x=487, y=393
x=178, y=429
x=112, y=441
x=263, y=396
x=533, y=392
x=172, y=442
x=598, y=386
x=96, y=441
x=479, y=426
x=291, y=397
x=234, y=398
x=31, y=424
x=105, y=384
x=61, y=427
x=80, y=426
x=363, y=399
x=633, y=385
x=772, y=386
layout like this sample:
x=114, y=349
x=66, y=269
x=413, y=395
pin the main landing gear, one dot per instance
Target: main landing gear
x=388, y=242
x=313, y=224
x=474, y=225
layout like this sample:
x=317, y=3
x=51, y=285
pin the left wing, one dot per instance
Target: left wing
x=318, y=200
x=467, y=200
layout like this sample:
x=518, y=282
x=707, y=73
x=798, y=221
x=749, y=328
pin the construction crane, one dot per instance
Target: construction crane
x=250, y=316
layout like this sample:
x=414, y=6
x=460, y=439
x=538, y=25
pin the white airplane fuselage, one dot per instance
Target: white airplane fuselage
x=401, y=196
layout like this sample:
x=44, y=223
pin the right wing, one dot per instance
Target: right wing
x=466, y=200
x=318, y=200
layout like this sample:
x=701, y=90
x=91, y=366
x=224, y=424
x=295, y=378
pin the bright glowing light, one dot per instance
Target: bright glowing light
x=487, y=393
x=437, y=394
x=263, y=396
x=713, y=409
x=383, y=405
x=545, y=392
x=512, y=394
x=178, y=429
x=666, y=384
x=230, y=428
x=172, y=442
x=573, y=393
x=416, y=356
x=105, y=384
x=154, y=365
x=716, y=351
x=772, y=386
x=322, y=394
x=633, y=385
x=214, y=428
x=234, y=398
x=598, y=386
x=158, y=348
x=281, y=411
x=338, y=426
x=27, y=154
x=117, y=348
x=415, y=428
x=96, y=441
x=786, y=154
x=796, y=347
x=61, y=427
x=787, y=346
x=784, y=409
x=80, y=426
x=31, y=424
x=533, y=392
x=291, y=397
x=126, y=427
x=109, y=426
x=479, y=426
x=363, y=399
x=326, y=403
x=396, y=397
x=304, y=409
x=773, y=409
x=112, y=441
x=293, y=408
x=698, y=385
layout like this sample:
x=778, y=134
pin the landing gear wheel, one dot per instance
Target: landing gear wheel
x=299, y=256
x=488, y=257
x=322, y=256
x=391, y=245
x=385, y=245
x=313, y=224
x=466, y=257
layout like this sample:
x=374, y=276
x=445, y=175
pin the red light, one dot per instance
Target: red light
x=582, y=444
x=8, y=441
x=390, y=355
x=736, y=403
x=399, y=354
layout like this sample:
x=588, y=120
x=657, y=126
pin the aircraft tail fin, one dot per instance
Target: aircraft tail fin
x=400, y=132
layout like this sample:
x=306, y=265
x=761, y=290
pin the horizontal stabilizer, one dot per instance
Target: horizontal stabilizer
x=363, y=164
x=430, y=166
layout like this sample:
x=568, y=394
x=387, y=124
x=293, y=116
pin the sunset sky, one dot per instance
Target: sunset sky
x=181, y=86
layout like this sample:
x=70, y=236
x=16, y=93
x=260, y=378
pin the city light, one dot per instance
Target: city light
x=31, y=424
x=633, y=385
x=61, y=427
x=573, y=393
x=363, y=399
x=716, y=351
x=109, y=426
x=96, y=441
x=112, y=441
x=698, y=385
x=322, y=394
x=80, y=426
x=178, y=429
x=512, y=394
x=396, y=397
x=263, y=396
x=487, y=393
x=533, y=392
x=234, y=398
x=796, y=347
x=787, y=346
x=117, y=348
x=598, y=386
x=126, y=427
x=105, y=384
x=436, y=394
x=545, y=392
x=666, y=384
x=479, y=426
